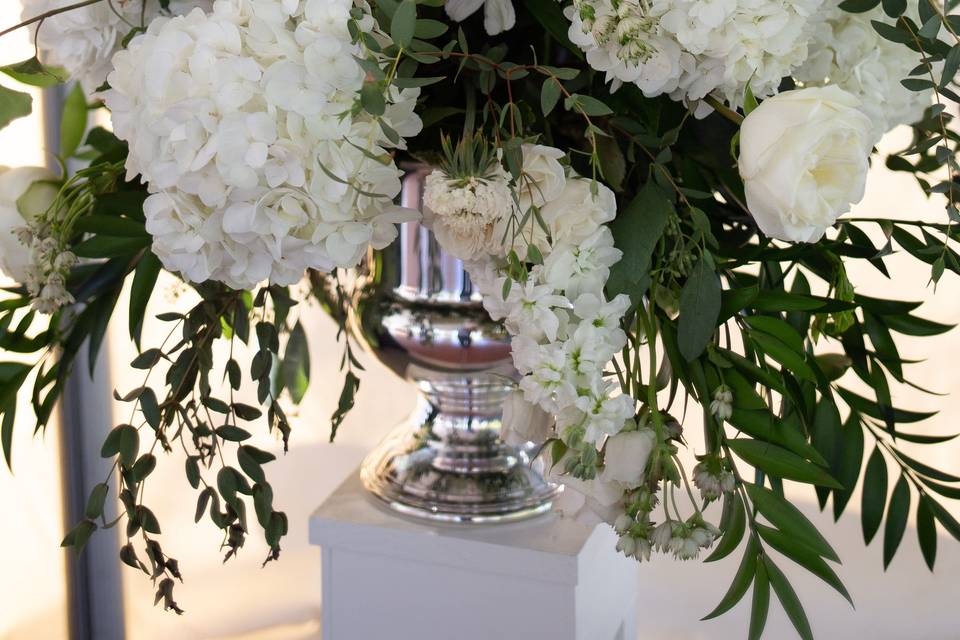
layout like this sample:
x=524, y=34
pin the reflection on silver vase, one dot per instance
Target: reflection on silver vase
x=420, y=315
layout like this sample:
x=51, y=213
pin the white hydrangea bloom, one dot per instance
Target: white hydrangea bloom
x=846, y=51
x=240, y=121
x=692, y=48
x=82, y=41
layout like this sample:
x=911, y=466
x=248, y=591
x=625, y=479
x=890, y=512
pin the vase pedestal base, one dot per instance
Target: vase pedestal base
x=386, y=576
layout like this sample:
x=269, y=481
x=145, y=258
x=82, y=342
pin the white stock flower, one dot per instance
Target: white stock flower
x=847, y=51
x=584, y=267
x=604, y=415
x=626, y=456
x=804, y=160
x=25, y=193
x=241, y=122
x=498, y=15
x=532, y=310
x=524, y=422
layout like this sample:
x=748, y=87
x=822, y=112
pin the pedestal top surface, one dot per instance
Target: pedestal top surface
x=352, y=507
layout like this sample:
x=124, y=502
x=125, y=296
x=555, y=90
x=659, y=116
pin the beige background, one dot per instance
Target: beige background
x=282, y=601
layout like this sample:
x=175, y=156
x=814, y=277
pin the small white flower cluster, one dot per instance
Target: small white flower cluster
x=722, y=405
x=245, y=122
x=713, y=478
x=29, y=252
x=684, y=539
x=82, y=41
x=50, y=264
x=848, y=52
x=692, y=48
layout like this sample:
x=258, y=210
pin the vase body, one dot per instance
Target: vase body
x=419, y=314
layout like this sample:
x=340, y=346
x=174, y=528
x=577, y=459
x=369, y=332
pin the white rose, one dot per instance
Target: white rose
x=576, y=213
x=524, y=422
x=803, y=160
x=25, y=193
x=626, y=457
x=544, y=176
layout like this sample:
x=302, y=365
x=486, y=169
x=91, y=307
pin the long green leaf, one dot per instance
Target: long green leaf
x=741, y=581
x=733, y=533
x=761, y=602
x=927, y=532
x=792, y=547
x=781, y=463
x=788, y=598
x=897, y=514
x=790, y=520
x=874, y=495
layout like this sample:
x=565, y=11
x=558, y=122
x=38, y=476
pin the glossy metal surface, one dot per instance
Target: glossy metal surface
x=420, y=315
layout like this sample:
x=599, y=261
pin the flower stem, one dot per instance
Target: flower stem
x=724, y=110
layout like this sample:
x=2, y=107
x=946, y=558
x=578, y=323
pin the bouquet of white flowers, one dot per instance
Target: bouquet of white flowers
x=648, y=194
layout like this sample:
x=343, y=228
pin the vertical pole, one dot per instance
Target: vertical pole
x=94, y=583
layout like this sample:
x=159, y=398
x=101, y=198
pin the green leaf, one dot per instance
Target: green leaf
x=793, y=547
x=79, y=536
x=147, y=520
x=549, y=95
x=123, y=441
x=73, y=121
x=788, y=598
x=763, y=426
x=193, y=471
x=780, y=463
x=699, y=309
x=950, y=66
x=897, y=514
x=741, y=581
x=914, y=326
x=6, y=433
x=927, y=532
x=13, y=105
x=202, y=500
x=144, y=466
x=894, y=8
x=636, y=232
x=295, y=368
x=144, y=283
x=849, y=462
x=232, y=433
x=872, y=409
x=874, y=495
x=858, y=6
x=733, y=533
x=98, y=496
x=587, y=104
x=404, y=23
x=35, y=74
x=945, y=518
x=371, y=98
x=249, y=465
x=761, y=603
x=786, y=517
x=927, y=470
x=351, y=384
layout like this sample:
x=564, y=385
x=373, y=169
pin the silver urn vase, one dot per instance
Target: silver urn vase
x=418, y=312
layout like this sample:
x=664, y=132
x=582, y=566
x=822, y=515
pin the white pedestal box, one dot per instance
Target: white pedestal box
x=386, y=577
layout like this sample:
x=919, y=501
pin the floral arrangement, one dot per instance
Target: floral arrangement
x=647, y=193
